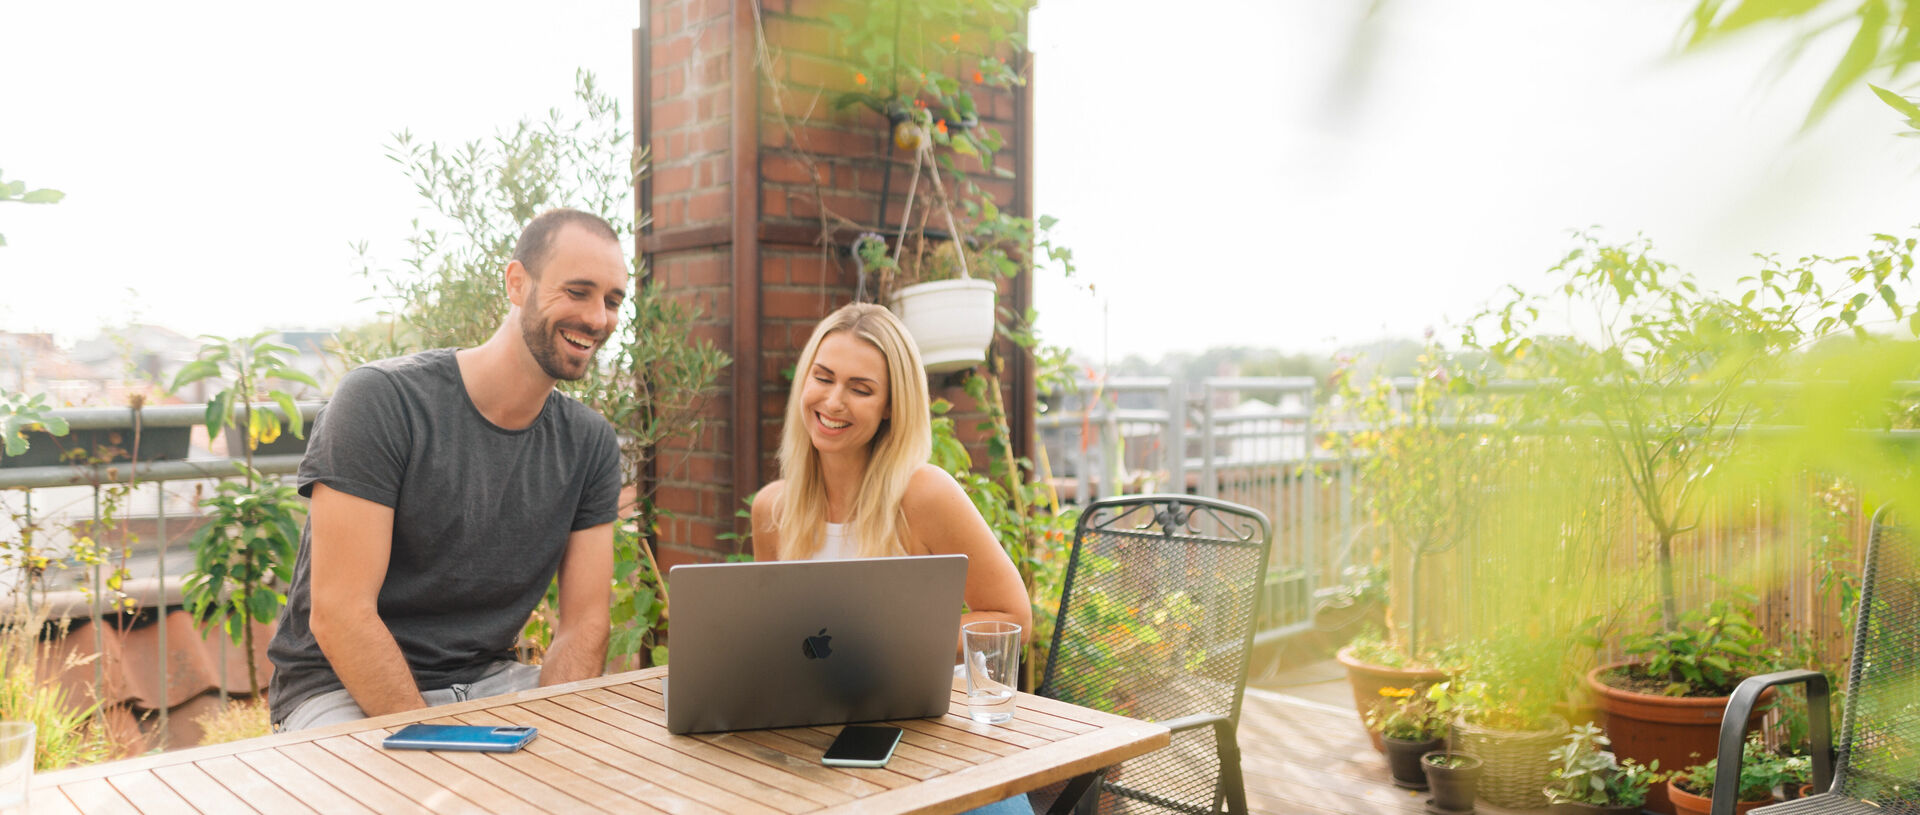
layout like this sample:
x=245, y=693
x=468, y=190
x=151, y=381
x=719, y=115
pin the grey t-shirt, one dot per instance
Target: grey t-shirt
x=481, y=516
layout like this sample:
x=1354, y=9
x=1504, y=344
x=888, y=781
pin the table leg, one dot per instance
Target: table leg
x=1081, y=795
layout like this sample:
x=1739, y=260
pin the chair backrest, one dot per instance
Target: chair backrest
x=1879, y=753
x=1156, y=621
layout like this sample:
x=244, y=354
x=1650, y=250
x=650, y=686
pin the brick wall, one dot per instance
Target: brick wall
x=757, y=188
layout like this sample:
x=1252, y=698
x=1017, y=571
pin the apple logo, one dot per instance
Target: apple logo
x=815, y=647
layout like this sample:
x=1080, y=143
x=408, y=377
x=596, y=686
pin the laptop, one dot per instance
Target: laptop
x=805, y=642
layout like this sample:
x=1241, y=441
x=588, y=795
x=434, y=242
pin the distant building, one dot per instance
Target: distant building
x=140, y=358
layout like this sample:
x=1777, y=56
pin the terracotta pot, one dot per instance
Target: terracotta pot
x=1454, y=788
x=1403, y=761
x=1367, y=679
x=1677, y=731
x=1686, y=803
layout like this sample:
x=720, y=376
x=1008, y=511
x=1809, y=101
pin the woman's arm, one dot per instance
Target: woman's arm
x=942, y=521
x=766, y=536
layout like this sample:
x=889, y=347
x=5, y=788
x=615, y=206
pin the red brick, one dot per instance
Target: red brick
x=672, y=179
x=671, y=50
x=799, y=304
x=714, y=34
x=710, y=70
x=810, y=270
x=773, y=202
x=709, y=137
x=792, y=170
x=672, y=116
x=708, y=205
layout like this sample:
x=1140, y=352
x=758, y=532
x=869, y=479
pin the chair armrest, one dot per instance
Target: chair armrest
x=1733, y=732
x=1195, y=721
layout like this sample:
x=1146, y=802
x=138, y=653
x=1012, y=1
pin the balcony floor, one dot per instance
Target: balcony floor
x=1304, y=751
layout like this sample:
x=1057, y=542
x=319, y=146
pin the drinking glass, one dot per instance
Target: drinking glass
x=993, y=657
x=16, y=765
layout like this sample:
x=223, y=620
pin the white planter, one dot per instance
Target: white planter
x=950, y=320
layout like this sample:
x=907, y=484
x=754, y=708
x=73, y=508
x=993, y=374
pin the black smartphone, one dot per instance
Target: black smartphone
x=480, y=738
x=860, y=745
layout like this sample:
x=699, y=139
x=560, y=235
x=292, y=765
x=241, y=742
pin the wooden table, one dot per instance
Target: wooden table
x=604, y=747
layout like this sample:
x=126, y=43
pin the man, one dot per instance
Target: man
x=448, y=488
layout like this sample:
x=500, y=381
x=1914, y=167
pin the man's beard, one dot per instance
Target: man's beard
x=543, y=339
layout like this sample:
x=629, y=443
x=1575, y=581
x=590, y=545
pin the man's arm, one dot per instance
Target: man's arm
x=352, y=542
x=579, y=649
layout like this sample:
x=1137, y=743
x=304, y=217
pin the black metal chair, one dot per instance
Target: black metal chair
x=1876, y=769
x=1156, y=622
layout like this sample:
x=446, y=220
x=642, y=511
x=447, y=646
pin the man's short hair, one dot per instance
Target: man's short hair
x=535, y=240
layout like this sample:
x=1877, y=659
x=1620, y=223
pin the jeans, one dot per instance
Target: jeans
x=1017, y=805
x=334, y=707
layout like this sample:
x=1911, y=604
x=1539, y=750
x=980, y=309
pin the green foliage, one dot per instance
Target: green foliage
x=1418, y=472
x=1708, y=653
x=916, y=63
x=65, y=734
x=1404, y=714
x=1884, y=39
x=17, y=192
x=653, y=376
x=242, y=555
x=450, y=291
x=251, y=365
x=1589, y=774
x=1663, y=377
x=22, y=412
x=1760, y=771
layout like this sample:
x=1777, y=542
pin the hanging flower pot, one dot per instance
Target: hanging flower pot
x=951, y=321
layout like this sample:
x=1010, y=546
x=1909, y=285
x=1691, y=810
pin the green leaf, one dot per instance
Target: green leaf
x=193, y=372
x=54, y=425
x=1855, y=62
x=43, y=197
x=287, y=406
x=1896, y=101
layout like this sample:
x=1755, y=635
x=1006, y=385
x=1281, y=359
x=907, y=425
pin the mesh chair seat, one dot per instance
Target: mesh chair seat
x=1156, y=622
x=1830, y=804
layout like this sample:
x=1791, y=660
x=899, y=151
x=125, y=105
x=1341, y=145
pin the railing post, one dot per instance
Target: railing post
x=1309, y=494
x=1177, y=436
x=1082, y=467
x=99, y=585
x=160, y=600
x=1209, y=479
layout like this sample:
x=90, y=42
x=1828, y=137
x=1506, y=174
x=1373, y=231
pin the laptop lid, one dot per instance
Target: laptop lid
x=793, y=643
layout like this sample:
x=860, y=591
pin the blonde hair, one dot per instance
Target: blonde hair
x=903, y=442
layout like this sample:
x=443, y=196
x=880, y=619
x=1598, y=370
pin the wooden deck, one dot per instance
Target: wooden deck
x=1302, y=756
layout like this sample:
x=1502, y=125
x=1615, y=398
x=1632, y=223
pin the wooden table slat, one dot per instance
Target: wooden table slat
x=603, y=747
x=694, y=747
x=90, y=796
x=329, y=783
x=690, y=765
x=378, y=765
x=200, y=790
x=52, y=802
x=149, y=794
x=257, y=790
x=632, y=773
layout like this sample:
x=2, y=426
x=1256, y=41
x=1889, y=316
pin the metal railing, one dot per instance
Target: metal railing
x=79, y=494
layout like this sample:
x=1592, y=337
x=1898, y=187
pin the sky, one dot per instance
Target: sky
x=1294, y=175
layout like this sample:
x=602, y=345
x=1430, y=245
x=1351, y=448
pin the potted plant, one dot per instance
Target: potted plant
x=1454, y=778
x=1503, y=704
x=1590, y=780
x=1421, y=481
x=949, y=313
x=1667, y=701
x=1411, y=726
x=1761, y=771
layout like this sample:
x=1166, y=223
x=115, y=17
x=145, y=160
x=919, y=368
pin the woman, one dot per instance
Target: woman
x=854, y=478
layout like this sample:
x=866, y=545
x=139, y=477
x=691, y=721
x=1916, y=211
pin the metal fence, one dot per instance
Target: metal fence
x=1251, y=440
x=139, y=513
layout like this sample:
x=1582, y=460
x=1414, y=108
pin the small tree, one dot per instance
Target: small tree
x=1665, y=375
x=253, y=527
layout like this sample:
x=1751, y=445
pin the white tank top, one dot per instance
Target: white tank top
x=839, y=545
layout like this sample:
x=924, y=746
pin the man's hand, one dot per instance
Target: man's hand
x=352, y=542
x=579, y=649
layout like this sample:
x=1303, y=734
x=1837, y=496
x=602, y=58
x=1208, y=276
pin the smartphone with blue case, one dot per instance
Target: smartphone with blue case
x=481, y=738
